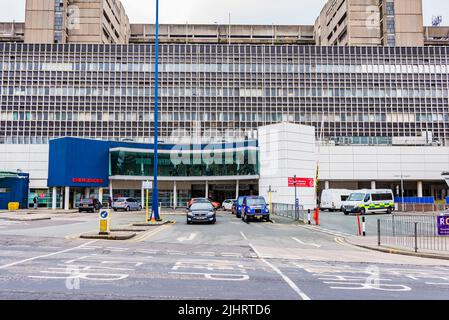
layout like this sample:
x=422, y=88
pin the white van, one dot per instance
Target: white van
x=333, y=199
x=369, y=201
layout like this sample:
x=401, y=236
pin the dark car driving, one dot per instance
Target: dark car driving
x=89, y=205
x=201, y=212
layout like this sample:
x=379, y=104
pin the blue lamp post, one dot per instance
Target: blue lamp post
x=155, y=202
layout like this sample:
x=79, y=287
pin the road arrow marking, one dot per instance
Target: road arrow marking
x=190, y=238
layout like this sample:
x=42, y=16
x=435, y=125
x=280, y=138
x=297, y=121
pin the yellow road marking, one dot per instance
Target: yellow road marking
x=146, y=235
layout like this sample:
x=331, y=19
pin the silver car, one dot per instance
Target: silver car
x=127, y=204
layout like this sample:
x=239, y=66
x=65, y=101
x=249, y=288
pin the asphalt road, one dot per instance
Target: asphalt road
x=229, y=260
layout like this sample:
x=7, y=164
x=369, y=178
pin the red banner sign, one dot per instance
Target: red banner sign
x=301, y=182
x=86, y=180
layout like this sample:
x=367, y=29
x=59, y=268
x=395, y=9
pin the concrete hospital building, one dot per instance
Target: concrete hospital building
x=365, y=91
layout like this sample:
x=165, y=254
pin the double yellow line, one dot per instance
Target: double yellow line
x=148, y=234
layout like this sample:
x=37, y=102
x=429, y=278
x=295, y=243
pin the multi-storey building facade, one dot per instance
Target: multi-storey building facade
x=370, y=22
x=76, y=21
x=106, y=91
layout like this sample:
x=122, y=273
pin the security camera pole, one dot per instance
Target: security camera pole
x=155, y=202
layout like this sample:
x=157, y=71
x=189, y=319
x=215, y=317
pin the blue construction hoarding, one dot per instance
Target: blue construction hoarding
x=14, y=188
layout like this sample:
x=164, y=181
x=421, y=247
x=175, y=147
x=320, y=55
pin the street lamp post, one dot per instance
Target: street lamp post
x=155, y=202
x=402, y=188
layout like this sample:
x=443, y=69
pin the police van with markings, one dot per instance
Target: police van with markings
x=369, y=201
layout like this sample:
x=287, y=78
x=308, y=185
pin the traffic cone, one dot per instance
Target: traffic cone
x=152, y=219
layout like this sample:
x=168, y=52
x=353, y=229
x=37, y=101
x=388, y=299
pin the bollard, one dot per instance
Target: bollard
x=364, y=226
x=358, y=224
x=308, y=216
x=378, y=232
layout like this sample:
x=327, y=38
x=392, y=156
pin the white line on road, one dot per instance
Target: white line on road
x=284, y=277
x=190, y=238
x=46, y=255
x=243, y=235
x=306, y=244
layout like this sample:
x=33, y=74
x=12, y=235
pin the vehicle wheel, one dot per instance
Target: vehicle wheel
x=127, y=208
x=362, y=211
x=389, y=211
x=79, y=210
x=245, y=219
x=267, y=218
x=115, y=209
x=346, y=213
x=188, y=222
x=140, y=208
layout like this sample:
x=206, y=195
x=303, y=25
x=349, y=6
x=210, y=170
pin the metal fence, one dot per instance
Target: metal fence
x=288, y=211
x=417, y=232
x=420, y=207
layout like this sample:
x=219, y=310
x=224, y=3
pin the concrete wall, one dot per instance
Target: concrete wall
x=286, y=150
x=383, y=163
x=32, y=159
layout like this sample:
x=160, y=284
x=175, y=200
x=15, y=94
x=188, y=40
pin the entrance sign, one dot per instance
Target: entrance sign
x=443, y=225
x=301, y=182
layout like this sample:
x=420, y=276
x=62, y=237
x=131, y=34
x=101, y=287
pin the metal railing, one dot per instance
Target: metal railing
x=420, y=207
x=417, y=232
x=288, y=211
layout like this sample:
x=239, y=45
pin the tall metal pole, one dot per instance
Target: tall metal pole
x=155, y=202
x=296, y=200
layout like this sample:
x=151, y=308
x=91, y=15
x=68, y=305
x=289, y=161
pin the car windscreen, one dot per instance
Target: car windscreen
x=255, y=202
x=356, y=197
x=240, y=201
x=120, y=200
x=201, y=206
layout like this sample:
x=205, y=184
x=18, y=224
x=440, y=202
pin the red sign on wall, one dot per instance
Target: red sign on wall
x=86, y=180
x=302, y=182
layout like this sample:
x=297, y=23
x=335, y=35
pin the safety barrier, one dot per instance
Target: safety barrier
x=288, y=211
x=417, y=232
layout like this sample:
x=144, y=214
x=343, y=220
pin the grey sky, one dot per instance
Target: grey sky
x=210, y=11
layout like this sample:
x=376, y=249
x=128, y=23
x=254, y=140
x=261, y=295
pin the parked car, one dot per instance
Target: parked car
x=333, y=199
x=255, y=207
x=127, y=204
x=227, y=204
x=369, y=201
x=217, y=205
x=193, y=200
x=89, y=205
x=237, y=207
x=201, y=212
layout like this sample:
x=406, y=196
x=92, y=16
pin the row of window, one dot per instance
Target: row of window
x=224, y=116
x=246, y=68
x=228, y=92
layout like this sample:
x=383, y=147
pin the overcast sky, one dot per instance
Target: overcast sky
x=210, y=11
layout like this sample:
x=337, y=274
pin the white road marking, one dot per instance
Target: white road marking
x=306, y=244
x=190, y=238
x=243, y=235
x=46, y=255
x=328, y=231
x=283, y=276
x=207, y=254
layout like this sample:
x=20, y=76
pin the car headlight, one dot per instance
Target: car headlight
x=248, y=210
x=267, y=210
x=211, y=213
x=190, y=214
